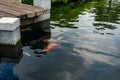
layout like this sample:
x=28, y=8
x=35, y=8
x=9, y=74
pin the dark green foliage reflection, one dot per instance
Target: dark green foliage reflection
x=67, y=13
x=27, y=2
x=108, y=13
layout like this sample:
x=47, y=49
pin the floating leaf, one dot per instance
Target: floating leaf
x=59, y=38
x=26, y=53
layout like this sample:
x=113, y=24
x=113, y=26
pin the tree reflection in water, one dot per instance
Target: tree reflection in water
x=108, y=12
x=106, y=17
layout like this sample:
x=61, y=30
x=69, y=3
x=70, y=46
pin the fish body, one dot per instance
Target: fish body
x=50, y=46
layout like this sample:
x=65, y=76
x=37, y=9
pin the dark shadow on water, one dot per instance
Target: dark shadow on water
x=36, y=33
x=37, y=36
x=9, y=57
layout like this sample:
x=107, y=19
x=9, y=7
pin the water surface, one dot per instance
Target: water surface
x=89, y=50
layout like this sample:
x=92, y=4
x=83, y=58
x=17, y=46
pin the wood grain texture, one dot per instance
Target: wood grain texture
x=16, y=9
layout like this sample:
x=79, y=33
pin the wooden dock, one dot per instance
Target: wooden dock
x=20, y=10
x=15, y=16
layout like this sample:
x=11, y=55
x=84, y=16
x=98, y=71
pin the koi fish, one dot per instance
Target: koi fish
x=50, y=46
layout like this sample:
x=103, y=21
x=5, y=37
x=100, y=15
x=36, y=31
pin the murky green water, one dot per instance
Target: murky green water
x=88, y=50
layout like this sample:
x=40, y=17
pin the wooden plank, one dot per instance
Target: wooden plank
x=29, y=13
x=12, y=12
x=2, y=14
x=38, y=11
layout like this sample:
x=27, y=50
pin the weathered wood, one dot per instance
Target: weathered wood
x=7, y=15
x=17, y=14
x=23, y=7
x=27, y=13
x=12, y=12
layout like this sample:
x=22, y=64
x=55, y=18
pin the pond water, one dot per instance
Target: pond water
x=87, y=50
